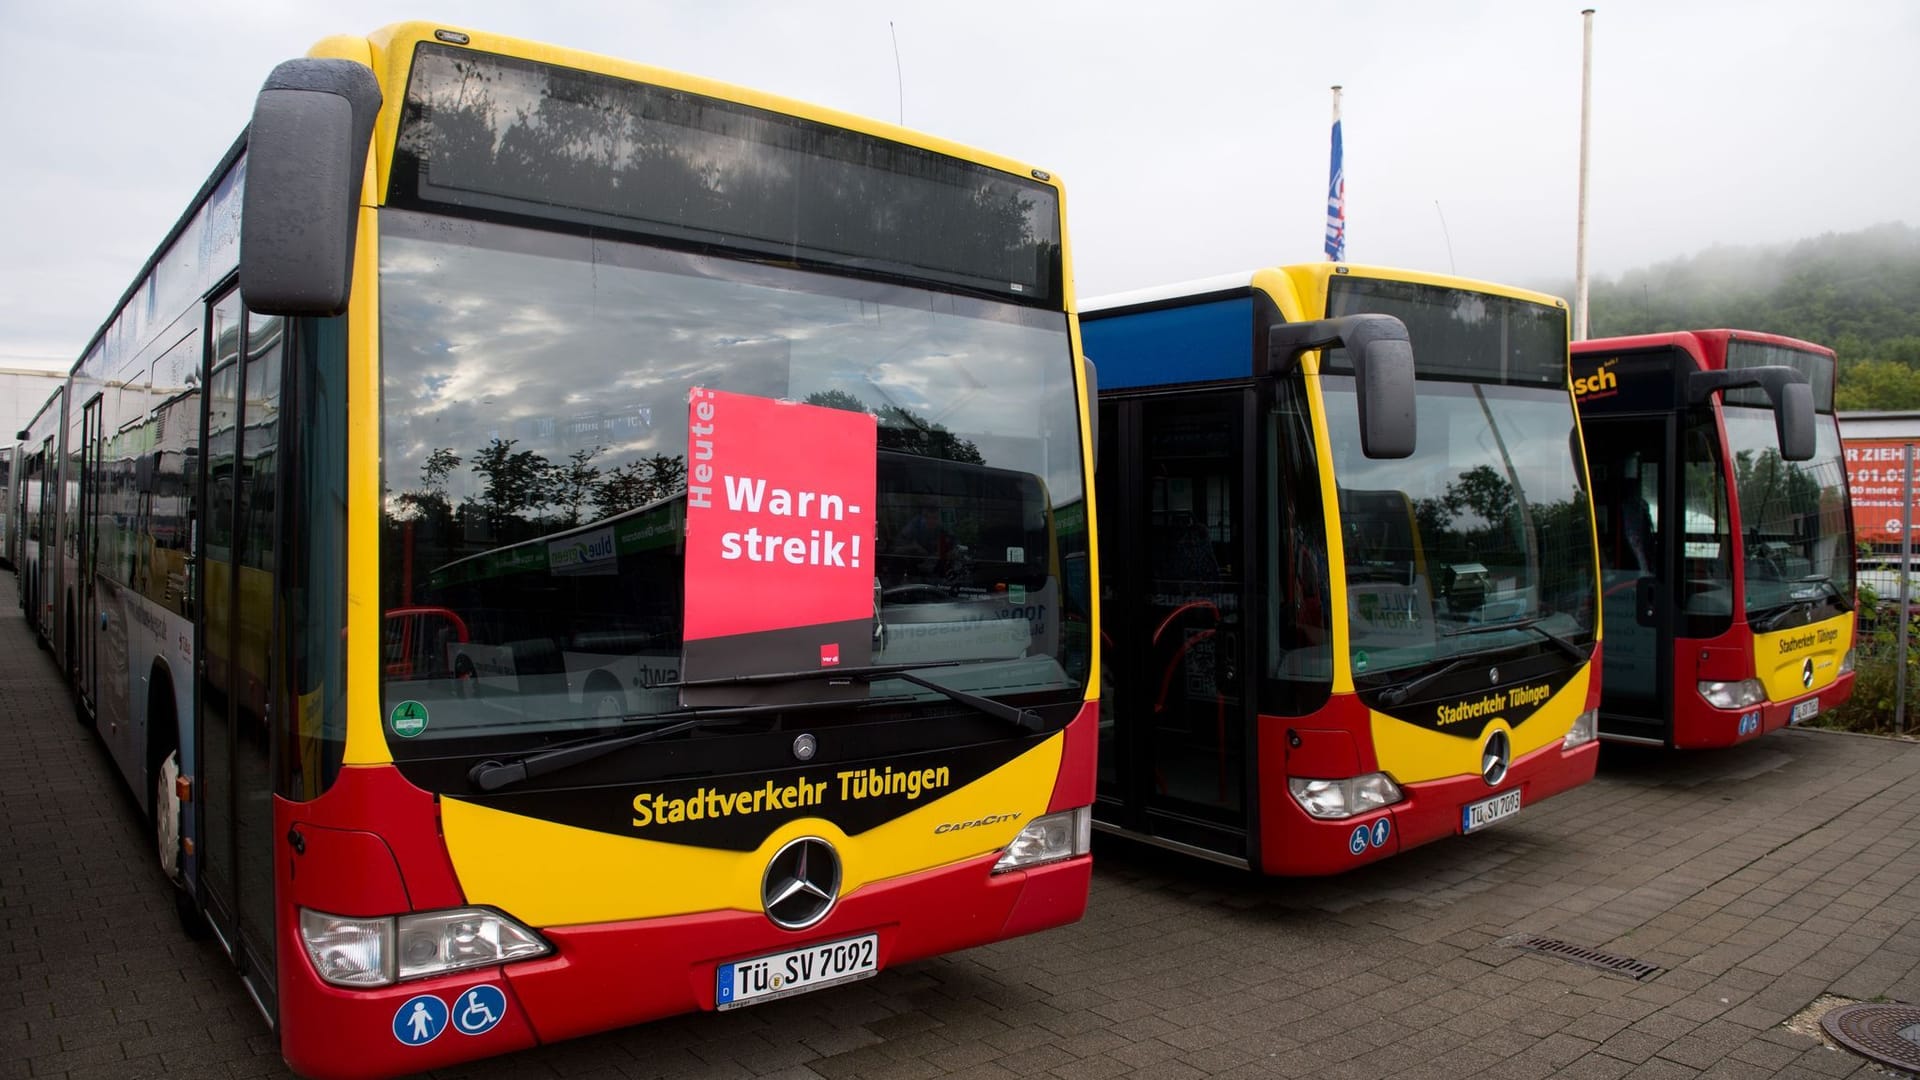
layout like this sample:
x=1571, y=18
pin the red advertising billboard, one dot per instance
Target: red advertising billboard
x=1876, y=477
x=779, y=577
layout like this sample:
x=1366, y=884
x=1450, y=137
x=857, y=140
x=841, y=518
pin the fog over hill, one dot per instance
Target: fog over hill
x=1857, y=293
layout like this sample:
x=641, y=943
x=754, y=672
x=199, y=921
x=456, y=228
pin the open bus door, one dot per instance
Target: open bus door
x=1629, y=460
x=1175, y=714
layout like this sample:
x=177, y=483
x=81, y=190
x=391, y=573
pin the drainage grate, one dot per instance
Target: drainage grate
x=1579, y=954
x=1887, y=1034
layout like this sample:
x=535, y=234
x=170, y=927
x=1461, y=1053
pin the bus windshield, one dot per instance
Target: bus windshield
x=1483, y=528
x=534, y=434
x=1793, y=521
x=1481, y=540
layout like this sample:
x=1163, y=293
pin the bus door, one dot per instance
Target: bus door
x=237, y=645
x=87, y=611
x=1629, y=459
x=1175, y=714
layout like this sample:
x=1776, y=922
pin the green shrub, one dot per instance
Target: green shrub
x=1876, y=672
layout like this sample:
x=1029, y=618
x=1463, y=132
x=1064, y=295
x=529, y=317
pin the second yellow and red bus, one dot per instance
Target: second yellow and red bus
x=1366, y=613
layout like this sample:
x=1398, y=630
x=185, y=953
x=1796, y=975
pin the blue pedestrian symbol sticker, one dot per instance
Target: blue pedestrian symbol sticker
x=419, y=1020
x=477, y=1009
x=1381, y=830
x=1358, y=843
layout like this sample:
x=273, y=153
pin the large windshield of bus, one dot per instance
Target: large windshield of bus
x=1796, y=539
x=534, y=433
x=1481, y=539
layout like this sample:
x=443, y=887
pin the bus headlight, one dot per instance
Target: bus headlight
x=1585, y=727
x=463, y=938
x=348, y=952
x=1846, y=662
x=1049, y=839
x=375, y=952
x=1344, y=798
x=1733, y=695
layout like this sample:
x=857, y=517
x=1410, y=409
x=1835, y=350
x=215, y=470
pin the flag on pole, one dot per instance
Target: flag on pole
x=1336, y=193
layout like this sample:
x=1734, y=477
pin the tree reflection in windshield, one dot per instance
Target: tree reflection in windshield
x=534, y=433
x=1485, y=524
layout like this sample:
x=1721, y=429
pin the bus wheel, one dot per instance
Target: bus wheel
x=167, y=841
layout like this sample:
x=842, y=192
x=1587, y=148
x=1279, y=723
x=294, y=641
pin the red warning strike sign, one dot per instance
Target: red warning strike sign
x=780, y=502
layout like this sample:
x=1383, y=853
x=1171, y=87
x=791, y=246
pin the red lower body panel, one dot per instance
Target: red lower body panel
x=1699, y=726
x=1432, y=810
x=615, y=974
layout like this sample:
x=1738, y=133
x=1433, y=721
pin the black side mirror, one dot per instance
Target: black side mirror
x=306, y=155
x=22, y=435
x=1382, y=368
x=1788, y=391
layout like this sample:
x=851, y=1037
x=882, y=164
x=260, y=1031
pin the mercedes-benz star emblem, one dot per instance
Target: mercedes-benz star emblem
x=1494, y=759
x=1806, y=672
x=1493, y=675
x=802, y=882
x=804, y=747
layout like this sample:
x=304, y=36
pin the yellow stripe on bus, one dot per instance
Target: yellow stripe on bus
x=548, y=874
x=1412, y=754
x=1780, y=659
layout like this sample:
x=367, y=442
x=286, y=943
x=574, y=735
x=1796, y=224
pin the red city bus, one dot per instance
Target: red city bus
x=1726, y=543
x=356, y=528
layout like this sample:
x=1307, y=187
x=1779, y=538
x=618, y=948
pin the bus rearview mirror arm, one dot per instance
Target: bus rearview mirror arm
x=1788, y=391
x=306, y=156
x=1382, y=372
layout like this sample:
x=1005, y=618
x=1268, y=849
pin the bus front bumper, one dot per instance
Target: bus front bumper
x=611, y=975
x=1430, y=811
x=1699, y=726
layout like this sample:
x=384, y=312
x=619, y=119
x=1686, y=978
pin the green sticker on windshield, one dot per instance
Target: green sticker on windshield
x=409, y=718
x=1359, y=664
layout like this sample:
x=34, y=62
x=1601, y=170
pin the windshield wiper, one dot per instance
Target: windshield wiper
x=1399, y=692
x=1024, y=719
x=1394, y=695
x=1771, y=621
x=494, y=775
x=1579, y=655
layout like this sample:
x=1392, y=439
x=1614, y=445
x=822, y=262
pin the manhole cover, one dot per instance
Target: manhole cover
x=1888, y=1034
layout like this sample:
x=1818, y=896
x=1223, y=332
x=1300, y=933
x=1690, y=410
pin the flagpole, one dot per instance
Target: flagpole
x=1336, y=191
x=1580, y=244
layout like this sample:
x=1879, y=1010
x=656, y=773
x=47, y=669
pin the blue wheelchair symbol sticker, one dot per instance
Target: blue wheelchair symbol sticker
x=478, y=1008
x=419, y=1020
x=1358, y=843
x=1381, y=830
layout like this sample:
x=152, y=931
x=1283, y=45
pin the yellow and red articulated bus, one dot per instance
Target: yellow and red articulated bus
x=1367, y=615
x=556, y=543
x=1726, y=541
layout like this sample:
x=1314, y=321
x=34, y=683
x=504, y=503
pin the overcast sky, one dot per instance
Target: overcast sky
x=1192, y=137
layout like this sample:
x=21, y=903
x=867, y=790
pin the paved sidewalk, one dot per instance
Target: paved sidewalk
x=1758, y=879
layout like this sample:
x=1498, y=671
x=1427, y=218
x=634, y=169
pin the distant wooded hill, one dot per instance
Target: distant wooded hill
x=1857, y=293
